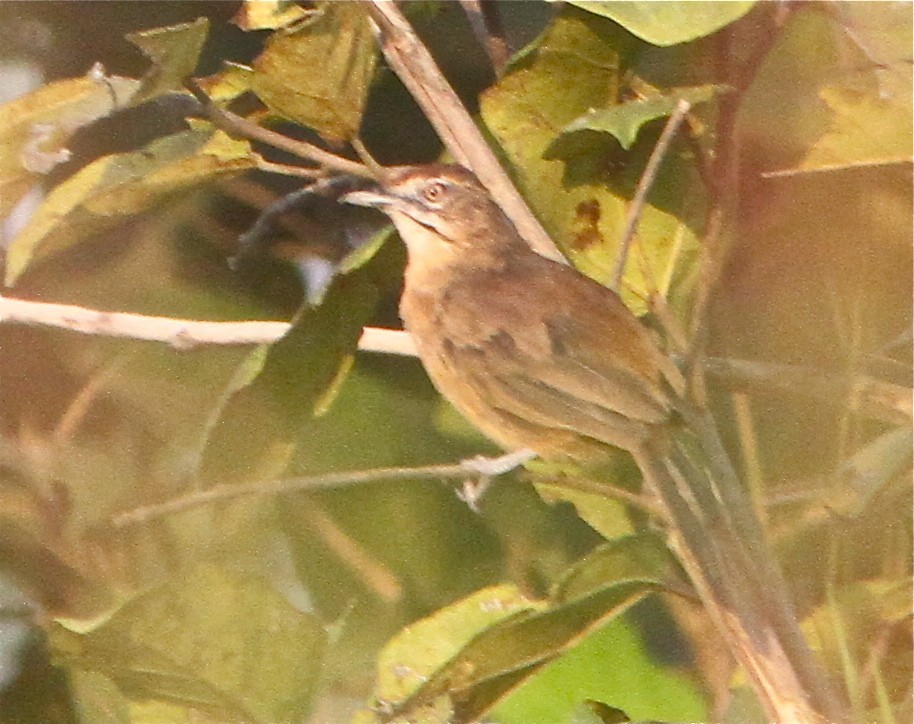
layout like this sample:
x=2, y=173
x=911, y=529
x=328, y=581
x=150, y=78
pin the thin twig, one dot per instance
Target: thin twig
x=487, y=27
x=752, y=460
x=644, y=187
x=235, y=125
x=874, y=398
x=284, y=169
x=414, y=65
x=221, y=493
x=361, y=150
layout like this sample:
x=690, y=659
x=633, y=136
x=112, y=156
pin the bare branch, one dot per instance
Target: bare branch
x=237, y=126
x=486, y=25
x=220, y=493
x=179, y=333
x=388, y=341
x=182, y=334
x=414, y=65
x=869, y=396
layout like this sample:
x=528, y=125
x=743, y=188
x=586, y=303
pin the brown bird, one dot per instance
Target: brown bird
x=533, y=353
x=539, y=356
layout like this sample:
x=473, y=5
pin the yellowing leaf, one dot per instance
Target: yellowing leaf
x=574, y=186
x=864, y=130
x=117, y=186
x=319, y=75
x=267, y=14
x=35, y=128
x=229, y=83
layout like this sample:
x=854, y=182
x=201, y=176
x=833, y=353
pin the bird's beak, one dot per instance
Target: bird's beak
x=375, y=198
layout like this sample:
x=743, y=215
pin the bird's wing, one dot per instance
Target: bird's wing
x=551, y=324
x=557, y=349
x=509, y=387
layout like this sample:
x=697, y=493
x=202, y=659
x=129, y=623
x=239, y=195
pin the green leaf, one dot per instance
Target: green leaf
x=319, y=74
x=581, y=189
x=494, y=659
x=606, y=515
x=626, y=119
x=668, y=22
x=115, y=187
x=300, y=374
x=423, y=648
x=637, y=557
x=35, y=128
x=612, y=665
x=209, y=642
x=174, y=52
x=360, y=256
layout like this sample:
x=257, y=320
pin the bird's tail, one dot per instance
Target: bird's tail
x=714, y=531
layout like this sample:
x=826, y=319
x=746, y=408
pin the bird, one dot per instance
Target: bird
x=540, y=357
x=533, y=353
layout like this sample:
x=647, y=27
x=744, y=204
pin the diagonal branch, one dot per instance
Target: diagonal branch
x=238, y=126
x=414, y=65
x=644, y=187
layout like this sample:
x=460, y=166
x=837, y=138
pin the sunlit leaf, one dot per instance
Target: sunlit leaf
x=423, y=648
x=864, y=130
x=174, y=52
x=581, y=189
x=319, y=74
x=668, y=22
x=496, y=658
x=35, y=128
x=232, y=81
x=112, y=188
x=267, y=14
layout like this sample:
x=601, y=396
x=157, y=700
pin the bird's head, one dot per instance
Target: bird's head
x=438, y=209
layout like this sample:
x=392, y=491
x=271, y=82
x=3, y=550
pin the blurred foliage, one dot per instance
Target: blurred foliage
x=394, y=596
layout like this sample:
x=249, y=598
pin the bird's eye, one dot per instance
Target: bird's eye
x=433, y=191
